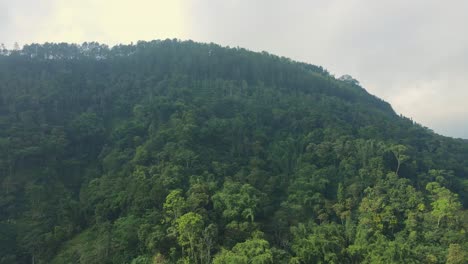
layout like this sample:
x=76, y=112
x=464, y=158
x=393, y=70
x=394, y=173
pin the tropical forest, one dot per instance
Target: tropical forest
x=171, y=152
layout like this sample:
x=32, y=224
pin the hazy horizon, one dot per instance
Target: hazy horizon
x=413, y=55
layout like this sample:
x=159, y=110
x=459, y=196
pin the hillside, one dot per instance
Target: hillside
x=180, y=152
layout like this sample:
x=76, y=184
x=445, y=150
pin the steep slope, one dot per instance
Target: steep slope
x=170, y=151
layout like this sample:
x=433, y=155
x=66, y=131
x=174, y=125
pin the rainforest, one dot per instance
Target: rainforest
x=174, y=151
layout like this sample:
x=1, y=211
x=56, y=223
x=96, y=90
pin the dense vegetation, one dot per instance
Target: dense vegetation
x=179, y=152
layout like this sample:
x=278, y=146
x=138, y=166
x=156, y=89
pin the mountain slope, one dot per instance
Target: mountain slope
x=168, y=151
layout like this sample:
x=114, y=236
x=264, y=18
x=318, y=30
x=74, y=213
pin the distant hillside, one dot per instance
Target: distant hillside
x=181, y=152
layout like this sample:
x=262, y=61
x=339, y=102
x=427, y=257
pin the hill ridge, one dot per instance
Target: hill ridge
x=171, y=152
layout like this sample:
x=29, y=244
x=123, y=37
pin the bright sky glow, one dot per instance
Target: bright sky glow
x=413, y=54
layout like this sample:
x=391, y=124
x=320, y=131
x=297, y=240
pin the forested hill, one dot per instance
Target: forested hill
x=180, y=152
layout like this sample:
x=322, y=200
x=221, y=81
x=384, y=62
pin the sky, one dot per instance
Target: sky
x=413, y=54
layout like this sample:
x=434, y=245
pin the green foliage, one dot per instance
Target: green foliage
x=189, y=229
x=252, y=251
x=237, y=202
x=457, y=255
x=323, y=243
x=174, y=205
x=180, y=152
x=445, y=204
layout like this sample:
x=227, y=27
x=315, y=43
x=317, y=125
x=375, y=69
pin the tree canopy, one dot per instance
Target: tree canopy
x=173, y=151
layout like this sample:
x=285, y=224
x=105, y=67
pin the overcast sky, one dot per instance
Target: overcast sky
x=412, y=53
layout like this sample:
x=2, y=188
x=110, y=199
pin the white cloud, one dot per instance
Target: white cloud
x=413, y=54
x=109, y=21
